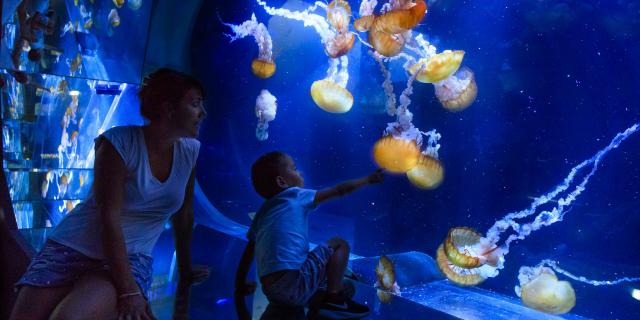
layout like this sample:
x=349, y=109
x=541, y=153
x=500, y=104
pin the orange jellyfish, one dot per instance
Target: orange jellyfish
x=457, y=92
x=427, y=174
x=263, y=66
x=339, y=14
x=455, y=274
x=339, y=45
x=386, y=44
x=118, y=3
x=363, y=23
x=466, y=258
x=401, y=20
x=396, y=154
x=386, y=280
x=438, y=67
x=331, y=97
x=541, y=290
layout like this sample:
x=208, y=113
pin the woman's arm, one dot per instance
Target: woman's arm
x=182, y=230
x=110, y=174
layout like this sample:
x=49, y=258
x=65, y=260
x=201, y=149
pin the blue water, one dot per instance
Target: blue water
x=557, y=80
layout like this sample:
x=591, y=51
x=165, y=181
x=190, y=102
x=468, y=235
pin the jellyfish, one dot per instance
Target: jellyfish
x=134, y=4
x=330, y=94
x=389, y=31
x=63, y=183
x=339, y=14
x=113, y=18
x=466, y=258
x=494, y=254
x=438, y=67
x=458, y=91
x=266, y=108
x=386, y=280
x=540, y=289
x=44, y=188
x=263, y=66
x=428, y=173
x=402, y=19
x=118, y=3
x=337, y=41
x=396, y=155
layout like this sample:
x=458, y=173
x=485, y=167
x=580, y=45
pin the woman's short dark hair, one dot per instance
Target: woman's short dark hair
x=264, y=172
x=164, y=85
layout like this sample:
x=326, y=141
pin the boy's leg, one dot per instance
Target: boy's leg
x=337, y=264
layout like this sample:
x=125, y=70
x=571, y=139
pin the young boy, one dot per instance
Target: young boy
x=290, y=274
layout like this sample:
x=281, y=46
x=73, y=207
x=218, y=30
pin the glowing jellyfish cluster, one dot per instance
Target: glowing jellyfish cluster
x=399, y=149
x=386, y=283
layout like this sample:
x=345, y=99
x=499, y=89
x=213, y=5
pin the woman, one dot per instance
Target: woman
x=97, y=262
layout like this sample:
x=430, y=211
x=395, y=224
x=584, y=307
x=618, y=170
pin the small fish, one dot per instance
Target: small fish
x=88, y=24
x=252, y=215
x=114, y=18
x=76, y=64
x=69, y=27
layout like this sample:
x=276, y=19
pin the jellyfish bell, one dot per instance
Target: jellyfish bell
x=331, y=97
x=427, y=174
x=438, y=67
x=457, y=92
x=386, y=280
x=385, y=273
x=363, y=24
x=455, y=274
x=340, y=45
x=386, y=44
x=339, y=14
x=402, y=19
x=262, y=68
x=540, y=289
x=396, y=155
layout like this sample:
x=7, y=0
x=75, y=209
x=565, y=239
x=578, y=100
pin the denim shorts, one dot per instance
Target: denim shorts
x=58, y=265
x=296, y=287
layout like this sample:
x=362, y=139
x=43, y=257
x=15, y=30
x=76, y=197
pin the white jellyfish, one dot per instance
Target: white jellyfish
x=266, y=108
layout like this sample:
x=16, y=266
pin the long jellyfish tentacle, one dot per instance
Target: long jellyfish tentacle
x=555, y=266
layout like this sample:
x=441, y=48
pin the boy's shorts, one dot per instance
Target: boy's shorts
x=58, y=265
x=295, y=288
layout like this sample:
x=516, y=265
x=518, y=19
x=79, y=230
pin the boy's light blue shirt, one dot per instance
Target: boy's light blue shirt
x=280, y=230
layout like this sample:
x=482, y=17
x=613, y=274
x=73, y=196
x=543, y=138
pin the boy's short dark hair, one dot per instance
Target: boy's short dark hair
x=264, y=172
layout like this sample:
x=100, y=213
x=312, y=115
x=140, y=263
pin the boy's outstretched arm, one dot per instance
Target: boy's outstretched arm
x=347, y=187
x=242, y=287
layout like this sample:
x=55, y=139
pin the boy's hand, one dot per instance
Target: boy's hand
x=375, y=177
x=246, y=288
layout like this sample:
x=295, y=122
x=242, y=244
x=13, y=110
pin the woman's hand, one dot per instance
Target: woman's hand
x=134, y=308
x=197, y=274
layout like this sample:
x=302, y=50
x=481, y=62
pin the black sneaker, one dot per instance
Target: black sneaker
x=343, y=309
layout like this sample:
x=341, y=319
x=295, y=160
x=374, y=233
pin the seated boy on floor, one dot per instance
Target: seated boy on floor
x=290, y=274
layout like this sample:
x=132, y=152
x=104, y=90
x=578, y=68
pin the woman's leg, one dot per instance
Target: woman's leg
x=93, y=296
x=35, y=303
x=337, y=264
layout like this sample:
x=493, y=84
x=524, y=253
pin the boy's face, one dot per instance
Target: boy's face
x=292, y=177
